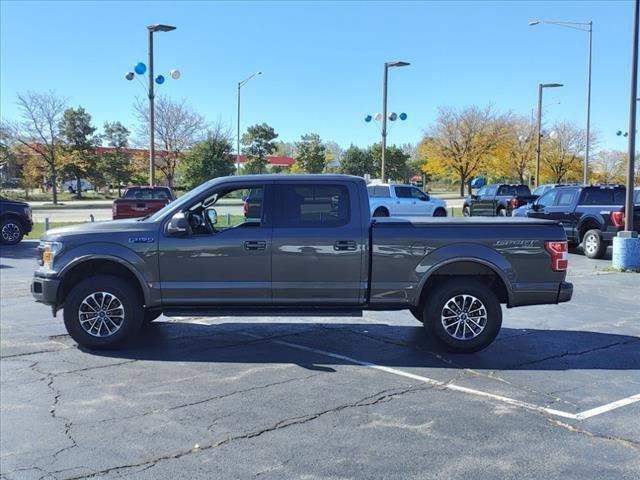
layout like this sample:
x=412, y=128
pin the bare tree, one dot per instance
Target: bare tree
x=39, y=130
x=461, y=142
x=177, y=128
x=562, y=152
x=609, y=165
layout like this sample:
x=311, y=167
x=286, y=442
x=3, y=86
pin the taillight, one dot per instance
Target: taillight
x=559, y=252
x=114, y=209
x=246, y=208
x=514, y=203
x=618, y=219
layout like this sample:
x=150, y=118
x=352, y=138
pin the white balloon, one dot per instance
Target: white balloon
x=175, y=74
x=378, y=117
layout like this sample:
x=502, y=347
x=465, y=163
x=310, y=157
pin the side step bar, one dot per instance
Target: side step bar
x=261, y=312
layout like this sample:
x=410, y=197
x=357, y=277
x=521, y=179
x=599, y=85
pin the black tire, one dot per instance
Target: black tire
x=381, y=212
x=440, y=212
x=466, y=211
x=103, y=285
x=11, y=231
x=487, y=310
x=502, y=212
x=417, y=312
x=151, y=315
x=593, y=244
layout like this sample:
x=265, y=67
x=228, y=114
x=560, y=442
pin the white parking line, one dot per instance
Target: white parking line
x=457, y=388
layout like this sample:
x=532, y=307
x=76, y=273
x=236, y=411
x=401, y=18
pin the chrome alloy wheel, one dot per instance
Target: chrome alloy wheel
x=101, y=314
x=10, y=232
x=591, y=244
x=464, y=317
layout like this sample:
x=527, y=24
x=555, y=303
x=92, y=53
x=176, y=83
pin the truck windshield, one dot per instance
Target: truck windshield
x=180, y=202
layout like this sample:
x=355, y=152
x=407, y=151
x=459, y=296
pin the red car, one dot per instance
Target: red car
x=141, y=201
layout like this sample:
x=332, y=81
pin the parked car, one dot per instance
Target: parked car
x=16, y=221
x=313, y=250
x=387, y=200
x=141, y=201
x=497, y=200
x=542, y=189
x=590, y=215
x=71, y=185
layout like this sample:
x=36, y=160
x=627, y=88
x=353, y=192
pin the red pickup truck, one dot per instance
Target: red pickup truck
x=141, y=201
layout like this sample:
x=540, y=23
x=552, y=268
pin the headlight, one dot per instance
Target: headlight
x=49, y=250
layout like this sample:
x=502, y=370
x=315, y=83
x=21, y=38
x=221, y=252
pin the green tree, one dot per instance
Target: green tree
x=80, y=145
x=311, y=154
x=208, y=159
x=396, y=162
x=357, y=161
x=258, y=142
x=116, y=166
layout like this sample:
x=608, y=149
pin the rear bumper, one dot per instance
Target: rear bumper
x=45, y=290
x=540, y=294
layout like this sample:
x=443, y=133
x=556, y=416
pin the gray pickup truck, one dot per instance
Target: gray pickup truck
x=303, y=245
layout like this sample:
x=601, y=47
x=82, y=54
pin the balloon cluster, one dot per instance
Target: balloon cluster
x=141, y=69
x=393, y=116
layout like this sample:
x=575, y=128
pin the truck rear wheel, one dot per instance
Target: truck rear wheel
x=103, y=312
x=463, y=315
x=593, y=244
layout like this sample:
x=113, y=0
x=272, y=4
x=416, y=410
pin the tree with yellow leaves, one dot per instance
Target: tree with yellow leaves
x=462, y=142
x=562, y=150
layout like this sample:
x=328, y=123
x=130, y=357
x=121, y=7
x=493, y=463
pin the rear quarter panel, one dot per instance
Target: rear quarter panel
x=405, y=255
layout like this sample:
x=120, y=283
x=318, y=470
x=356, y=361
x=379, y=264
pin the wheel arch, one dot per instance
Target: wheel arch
x=75, y=272
x=466, y=267
x=588, y=223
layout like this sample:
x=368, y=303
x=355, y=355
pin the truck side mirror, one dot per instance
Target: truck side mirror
x=179, y=225
x=212, y=215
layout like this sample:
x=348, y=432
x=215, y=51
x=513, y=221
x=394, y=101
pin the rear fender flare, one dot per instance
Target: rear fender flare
x=464, y=252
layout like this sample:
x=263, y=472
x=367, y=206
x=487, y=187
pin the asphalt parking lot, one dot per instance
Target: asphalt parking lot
x=556, y=396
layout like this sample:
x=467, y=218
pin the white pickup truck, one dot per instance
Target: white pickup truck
x=391, y=200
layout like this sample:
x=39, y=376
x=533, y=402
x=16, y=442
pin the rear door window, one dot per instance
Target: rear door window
x=312, y=206
x=598, y=196
x=378, y=191
x=506, y=190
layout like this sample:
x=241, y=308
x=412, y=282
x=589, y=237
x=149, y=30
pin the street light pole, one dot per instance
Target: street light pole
x=585, y=27
x=240, y=85
x=387, y=65
x=152, y=114
x=541, y=86
x=629, y=207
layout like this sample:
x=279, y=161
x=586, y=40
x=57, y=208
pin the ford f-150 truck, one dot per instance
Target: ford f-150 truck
x=497, y=200
x=309, y=248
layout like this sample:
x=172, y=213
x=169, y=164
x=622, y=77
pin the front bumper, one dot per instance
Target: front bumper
x=45, y=290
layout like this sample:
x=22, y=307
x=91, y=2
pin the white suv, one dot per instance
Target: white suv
x=403, y=201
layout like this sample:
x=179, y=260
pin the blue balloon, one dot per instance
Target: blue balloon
x=403, y=116
x=159, y=79
x=140, y=68
x=368, y=118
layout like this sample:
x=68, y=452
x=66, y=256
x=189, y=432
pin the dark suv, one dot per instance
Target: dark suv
x=15, y=221
x=497, y=200
x=591, y=215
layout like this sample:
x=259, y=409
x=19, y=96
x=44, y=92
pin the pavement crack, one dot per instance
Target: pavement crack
x=383, y=396
x=622, y=441
x=68, y=424
x=575, y=354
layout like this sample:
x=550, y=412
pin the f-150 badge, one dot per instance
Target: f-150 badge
x=141, y=240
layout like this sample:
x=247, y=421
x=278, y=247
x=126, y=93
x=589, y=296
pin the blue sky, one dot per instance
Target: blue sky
x=322, y=61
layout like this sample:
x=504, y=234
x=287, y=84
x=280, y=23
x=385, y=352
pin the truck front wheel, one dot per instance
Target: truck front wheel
x=103, y=312
x=463, y=315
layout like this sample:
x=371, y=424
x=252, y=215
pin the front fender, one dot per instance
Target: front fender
x=136, y=262
x=464, y=252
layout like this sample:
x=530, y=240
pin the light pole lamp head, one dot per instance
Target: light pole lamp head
x=397, y=64
x=533, y=23
x=551, y=85
x=160, y=28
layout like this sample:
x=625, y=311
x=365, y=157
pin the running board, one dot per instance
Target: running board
x=261, y=312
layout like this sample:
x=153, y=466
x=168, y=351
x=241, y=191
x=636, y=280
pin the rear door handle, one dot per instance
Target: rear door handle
x=350, y=245
x=255, y=245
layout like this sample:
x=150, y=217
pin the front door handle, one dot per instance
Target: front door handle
x=342, y=245
x=255, y=245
